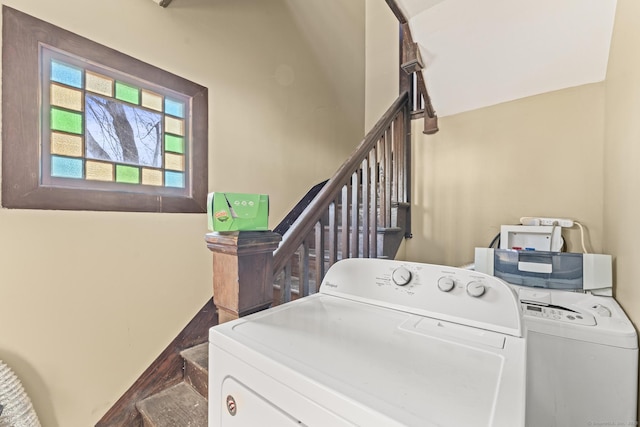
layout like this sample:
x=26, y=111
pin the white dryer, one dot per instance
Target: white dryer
x=384, y=343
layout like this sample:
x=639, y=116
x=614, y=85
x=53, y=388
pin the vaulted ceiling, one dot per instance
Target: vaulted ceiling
x=481, y=53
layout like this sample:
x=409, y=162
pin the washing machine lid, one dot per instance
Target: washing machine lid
x=367, y=362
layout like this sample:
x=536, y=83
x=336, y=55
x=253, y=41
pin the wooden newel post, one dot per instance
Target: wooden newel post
x=242, y=271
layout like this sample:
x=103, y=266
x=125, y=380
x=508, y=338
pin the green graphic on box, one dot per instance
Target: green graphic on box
x=238, y=211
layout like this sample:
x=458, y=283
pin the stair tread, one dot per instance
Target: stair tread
x=179, y=405
x=198, y=355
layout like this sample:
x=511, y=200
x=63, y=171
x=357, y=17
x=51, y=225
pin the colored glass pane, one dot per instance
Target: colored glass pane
x=66, y=74
x=99, y=171
x=65, y=97
x=174, y=179
x=65, y=167
x=98, y=83
x=151, y=177
x=66, y=121
x=174, y=162
x=174, y=126
x=175, y=108
x=66, y=145
x=151, y=100
x=174, y=143
x=127, y=93
x=127, y=174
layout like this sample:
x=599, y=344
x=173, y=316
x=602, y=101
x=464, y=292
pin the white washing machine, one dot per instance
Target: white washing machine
x=384, y=343
x=582, y=360
x=582, y=350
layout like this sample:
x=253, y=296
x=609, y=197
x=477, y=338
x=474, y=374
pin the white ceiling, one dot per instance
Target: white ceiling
x=481, y=53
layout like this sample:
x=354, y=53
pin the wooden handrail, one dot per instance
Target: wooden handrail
x=430, y=117
x=297, y=210
x=307, y=221
x=420, y=99
x=396, y=11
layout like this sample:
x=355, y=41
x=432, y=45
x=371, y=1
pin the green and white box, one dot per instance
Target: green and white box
x=238, y=212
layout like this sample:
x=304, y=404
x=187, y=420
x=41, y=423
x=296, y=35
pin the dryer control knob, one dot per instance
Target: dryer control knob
x=476, y=289
x=445, y=284
x=401, y=276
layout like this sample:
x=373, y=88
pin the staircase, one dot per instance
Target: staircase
x=362, y=211
x=184, y=404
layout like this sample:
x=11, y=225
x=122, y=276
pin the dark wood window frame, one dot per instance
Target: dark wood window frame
x=22, y=186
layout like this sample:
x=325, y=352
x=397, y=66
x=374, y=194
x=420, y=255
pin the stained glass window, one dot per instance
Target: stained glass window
x=85, y=127
x=109, y=127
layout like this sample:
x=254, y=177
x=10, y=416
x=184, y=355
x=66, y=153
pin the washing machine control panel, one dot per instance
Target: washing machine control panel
x=557, y=313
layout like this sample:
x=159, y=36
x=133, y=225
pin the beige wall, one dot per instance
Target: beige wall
x=89, y=299
x=622, y=157
x=381, y=60
x=538, y=156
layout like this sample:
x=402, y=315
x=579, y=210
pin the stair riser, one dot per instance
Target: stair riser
x=197, y=378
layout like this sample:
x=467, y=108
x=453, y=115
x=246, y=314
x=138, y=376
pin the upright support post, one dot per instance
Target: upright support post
x=405, y=81
x=242, y=271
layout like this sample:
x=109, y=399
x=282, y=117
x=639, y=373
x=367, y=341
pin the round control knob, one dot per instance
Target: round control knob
x=401, y=276
x=445, y=284
x=475, y=289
